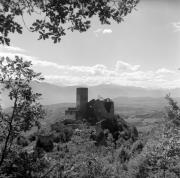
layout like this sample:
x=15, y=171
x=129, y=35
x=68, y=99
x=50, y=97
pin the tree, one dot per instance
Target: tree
x=55, y=17
x=16, y=76
x=161, y=155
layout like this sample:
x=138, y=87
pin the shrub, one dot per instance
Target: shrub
x=45, y=142
x=137, y=147
x=22, y=141
x=57, y=126
x=32, y=137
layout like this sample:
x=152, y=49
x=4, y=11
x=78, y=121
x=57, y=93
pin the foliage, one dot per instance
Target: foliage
x=23, y=164
x=61, y=133
x=44, y=143
x=55, y=17
x=161, y=155
x=32, y=137
x=23, y=141
x=173, y=111
x=81, y=158
x=16, y=76
x=74, y=153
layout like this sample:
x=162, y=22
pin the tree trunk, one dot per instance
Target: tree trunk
x=4, y=152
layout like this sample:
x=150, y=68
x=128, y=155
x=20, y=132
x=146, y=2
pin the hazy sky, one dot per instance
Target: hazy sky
x=144, y=50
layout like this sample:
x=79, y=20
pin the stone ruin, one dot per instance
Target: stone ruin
x=100, y=113
x=96, y=112
x=94, y=108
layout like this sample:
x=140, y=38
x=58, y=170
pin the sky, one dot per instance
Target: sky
x=142, y=51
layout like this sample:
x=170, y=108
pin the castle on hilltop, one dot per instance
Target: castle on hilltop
x=95, y=108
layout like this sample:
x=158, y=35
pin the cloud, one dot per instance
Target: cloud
x=122, y=73
x=98, y=30
x=123, y=66
x=164, y=71
x=12, y=49
x=102, y=31
x=107, y=31
x=176, y=26
x=12, y=55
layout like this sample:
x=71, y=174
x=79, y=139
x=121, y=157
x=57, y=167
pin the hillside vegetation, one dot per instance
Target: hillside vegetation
x=74, y=153
x=37, y=142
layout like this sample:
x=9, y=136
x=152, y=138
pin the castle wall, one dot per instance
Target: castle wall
x=101, y=109
x=71, y=114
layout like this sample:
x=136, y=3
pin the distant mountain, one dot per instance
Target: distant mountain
x=114, y=91
x=53, y=94
x=141, y=105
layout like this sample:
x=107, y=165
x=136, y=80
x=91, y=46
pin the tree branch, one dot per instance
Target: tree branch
x=9, y=133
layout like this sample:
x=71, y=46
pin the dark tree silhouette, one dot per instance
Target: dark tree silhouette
x=55, y=17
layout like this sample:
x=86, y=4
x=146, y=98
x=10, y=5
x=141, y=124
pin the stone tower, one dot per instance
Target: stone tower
x=81, y=100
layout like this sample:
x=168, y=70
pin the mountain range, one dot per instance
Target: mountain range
x=138, y=105
x=53, y=94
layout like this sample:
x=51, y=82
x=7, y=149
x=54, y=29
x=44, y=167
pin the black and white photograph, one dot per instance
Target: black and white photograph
x=89, y=88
